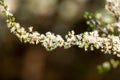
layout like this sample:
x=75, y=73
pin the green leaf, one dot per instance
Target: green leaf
x=12, y=19
x=105, y=67
x=86, y=15
x=100, y=69
x=6, y=7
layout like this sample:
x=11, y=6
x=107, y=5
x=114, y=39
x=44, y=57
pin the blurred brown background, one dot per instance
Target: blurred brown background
x=19, y=61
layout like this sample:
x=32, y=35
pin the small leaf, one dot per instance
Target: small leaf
x=6, y=7
x=100, y=69
x=12, y=19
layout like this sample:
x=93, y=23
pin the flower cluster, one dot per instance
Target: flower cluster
x=113, y=6
x=107, y=44
x=110, y=44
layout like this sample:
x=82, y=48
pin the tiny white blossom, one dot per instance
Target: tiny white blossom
x=30, y=29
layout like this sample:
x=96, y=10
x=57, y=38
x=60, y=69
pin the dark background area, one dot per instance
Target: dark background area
x=19, y=61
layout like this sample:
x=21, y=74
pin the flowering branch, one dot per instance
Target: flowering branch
x=107, y=44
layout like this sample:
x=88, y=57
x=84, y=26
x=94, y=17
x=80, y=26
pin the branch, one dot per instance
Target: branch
x=87, y=40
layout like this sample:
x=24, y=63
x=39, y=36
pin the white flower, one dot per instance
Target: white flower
x=13, y=29
x=117, y=24
x=30, y=29
x=8, y=13
x=17, y=25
